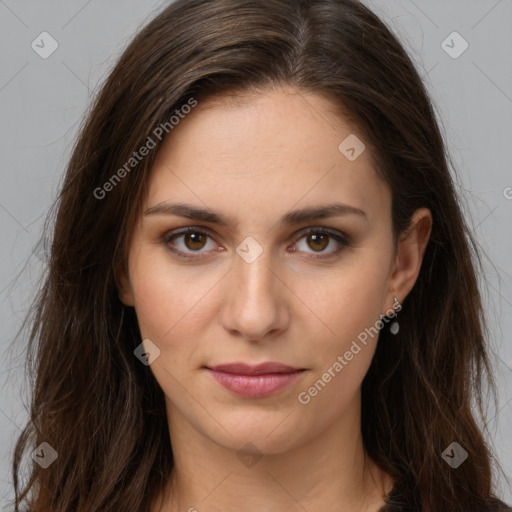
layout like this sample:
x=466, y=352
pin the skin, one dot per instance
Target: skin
x=253, y=158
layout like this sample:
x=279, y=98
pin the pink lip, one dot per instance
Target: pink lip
x=254, y=381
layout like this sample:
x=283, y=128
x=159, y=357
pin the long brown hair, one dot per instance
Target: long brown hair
x=93, y=401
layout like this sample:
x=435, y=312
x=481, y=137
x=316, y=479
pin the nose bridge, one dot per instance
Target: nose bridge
x=253, y=265
x=255, y=277
x=255, y=304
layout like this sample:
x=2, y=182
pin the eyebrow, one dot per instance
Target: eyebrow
x=290, y=218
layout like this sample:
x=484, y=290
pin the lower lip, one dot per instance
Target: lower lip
x=255, y=386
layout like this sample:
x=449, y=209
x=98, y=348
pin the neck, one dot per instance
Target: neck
x=330, y=471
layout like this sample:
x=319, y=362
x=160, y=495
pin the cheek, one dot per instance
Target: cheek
x=334, y=385
x=171, y=312
x=349, y=303
x=169, y=299
x=347, y=300
x=174, y=301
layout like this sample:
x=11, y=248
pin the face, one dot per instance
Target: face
x=263, y=285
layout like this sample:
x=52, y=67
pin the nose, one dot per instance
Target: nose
x=256, y=300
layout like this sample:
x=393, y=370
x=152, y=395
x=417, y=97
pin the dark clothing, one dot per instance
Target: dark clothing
x=399, y=501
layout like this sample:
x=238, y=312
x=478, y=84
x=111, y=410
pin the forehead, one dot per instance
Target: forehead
x=263, y=153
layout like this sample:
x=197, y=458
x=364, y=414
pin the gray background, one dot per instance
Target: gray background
x=43, y=100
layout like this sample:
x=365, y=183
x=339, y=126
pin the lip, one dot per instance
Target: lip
x=255, y=381
x=258, y=369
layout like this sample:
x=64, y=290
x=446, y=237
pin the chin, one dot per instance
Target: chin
x=265, y=433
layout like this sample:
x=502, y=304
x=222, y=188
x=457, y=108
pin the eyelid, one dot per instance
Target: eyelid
x=175, y=233
x=343, y=239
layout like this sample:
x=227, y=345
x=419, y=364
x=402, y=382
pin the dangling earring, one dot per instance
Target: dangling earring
x=395, y=327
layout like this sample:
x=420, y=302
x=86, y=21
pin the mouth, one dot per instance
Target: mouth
x=255, y=381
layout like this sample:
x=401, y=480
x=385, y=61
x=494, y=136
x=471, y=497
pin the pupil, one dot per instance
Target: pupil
x=194, y=238
x=319, y=238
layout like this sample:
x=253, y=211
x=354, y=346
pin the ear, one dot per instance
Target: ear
x=410, y=251
x=125, y=289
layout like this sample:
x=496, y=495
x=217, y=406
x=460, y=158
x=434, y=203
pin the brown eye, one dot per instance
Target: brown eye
x=187, y=241
x=318, y=242
x=194, y=240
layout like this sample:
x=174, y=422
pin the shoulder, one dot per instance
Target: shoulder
x=496, y=505
x=399, y=501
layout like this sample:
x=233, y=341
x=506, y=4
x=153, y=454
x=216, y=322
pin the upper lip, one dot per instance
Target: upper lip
x=259, y=369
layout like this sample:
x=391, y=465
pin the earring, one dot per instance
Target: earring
x=395, y=327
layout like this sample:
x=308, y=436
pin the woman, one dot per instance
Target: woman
x=262, y=294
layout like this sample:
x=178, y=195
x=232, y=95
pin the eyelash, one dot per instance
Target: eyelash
x=338, y=236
